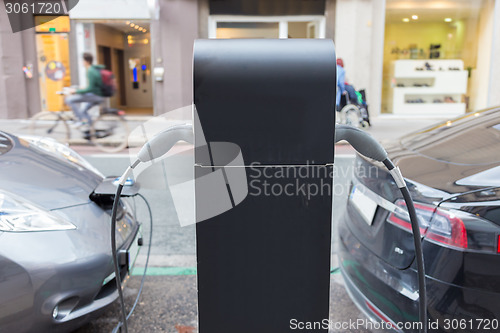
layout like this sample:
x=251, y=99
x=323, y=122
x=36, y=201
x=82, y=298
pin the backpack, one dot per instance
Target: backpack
x=108, y=88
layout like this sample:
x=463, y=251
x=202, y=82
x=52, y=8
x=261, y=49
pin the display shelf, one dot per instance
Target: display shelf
x=446, y=80
x=434, y=98
x=434, y=109
x=404, y=82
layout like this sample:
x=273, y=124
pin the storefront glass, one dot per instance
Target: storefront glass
x=432, y=55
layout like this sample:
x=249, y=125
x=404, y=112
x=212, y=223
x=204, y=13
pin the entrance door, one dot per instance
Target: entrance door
x=53, y=62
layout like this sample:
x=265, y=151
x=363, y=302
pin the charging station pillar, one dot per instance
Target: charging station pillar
x=264, y=263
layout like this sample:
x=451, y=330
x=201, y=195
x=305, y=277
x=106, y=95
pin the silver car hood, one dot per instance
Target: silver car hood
x=43, y=178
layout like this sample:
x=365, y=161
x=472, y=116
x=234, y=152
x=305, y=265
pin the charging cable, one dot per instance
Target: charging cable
x=367, y=146
x=361, y=141
x=119, y=325
x=153, y=149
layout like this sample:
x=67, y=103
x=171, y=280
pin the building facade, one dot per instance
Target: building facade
x=413, y=58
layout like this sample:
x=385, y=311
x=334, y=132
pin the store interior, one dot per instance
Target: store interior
x=124, y=47
x=439, y=43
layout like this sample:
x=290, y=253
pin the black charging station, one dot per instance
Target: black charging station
x=266, y=261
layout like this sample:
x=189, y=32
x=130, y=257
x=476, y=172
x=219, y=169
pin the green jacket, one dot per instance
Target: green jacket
x=94, y=81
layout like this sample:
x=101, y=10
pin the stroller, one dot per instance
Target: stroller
x=353, y=108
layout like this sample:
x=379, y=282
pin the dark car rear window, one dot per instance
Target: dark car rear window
x=473, y=139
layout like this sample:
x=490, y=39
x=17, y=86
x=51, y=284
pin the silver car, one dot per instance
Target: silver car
x=56, y=271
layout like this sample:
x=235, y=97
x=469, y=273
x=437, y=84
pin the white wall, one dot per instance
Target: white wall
x=352, y=39
x=85, y=42
x=481, y=74
x=359, y=41
x=494, y=86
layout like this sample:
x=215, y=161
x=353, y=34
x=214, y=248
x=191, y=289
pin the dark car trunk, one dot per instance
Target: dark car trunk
x=391, y=243
x=440, y=165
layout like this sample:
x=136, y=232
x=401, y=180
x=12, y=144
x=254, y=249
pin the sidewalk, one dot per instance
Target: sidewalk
x=385, y=128
x=22, y=127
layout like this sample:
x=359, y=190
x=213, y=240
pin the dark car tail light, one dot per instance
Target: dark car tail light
x=436, y=224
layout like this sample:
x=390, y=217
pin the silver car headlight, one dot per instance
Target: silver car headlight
x=17, y=215
x=61, y=151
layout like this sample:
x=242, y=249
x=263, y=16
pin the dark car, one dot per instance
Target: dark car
x=56, y=271
x=453, y=173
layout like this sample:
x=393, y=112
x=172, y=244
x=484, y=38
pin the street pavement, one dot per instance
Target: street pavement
x=169, y=301
x=169, y=298
x=384, y=128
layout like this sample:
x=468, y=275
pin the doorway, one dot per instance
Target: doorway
x=52, y=45
x=124, y=48
x=113, y=60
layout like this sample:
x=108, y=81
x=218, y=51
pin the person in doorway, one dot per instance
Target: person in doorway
x=82, y=100
x=344, y=88
x=340, y=81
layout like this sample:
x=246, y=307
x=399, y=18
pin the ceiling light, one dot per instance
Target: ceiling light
x=406, y=19
x=132, y=25
x=128, y=22
x=448, y=19
x=136, y=27
x=414, y=17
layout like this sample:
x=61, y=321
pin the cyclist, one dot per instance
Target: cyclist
x=90, y=96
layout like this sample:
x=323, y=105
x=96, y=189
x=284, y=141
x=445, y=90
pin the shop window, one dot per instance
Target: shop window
x=431, y=52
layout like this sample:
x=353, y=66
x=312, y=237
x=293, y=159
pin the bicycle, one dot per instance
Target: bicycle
x=108, y=131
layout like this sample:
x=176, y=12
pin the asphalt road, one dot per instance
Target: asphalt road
x=169, y=300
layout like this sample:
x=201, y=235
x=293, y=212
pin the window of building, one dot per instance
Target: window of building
x=236, y=26
x=433, y=54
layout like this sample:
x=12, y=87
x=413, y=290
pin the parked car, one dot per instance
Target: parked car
x=56, y=271
x=453, y=173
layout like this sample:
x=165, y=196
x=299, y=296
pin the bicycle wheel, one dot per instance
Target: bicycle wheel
x=52, y=124
x=351, y=115
x=109, y=132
